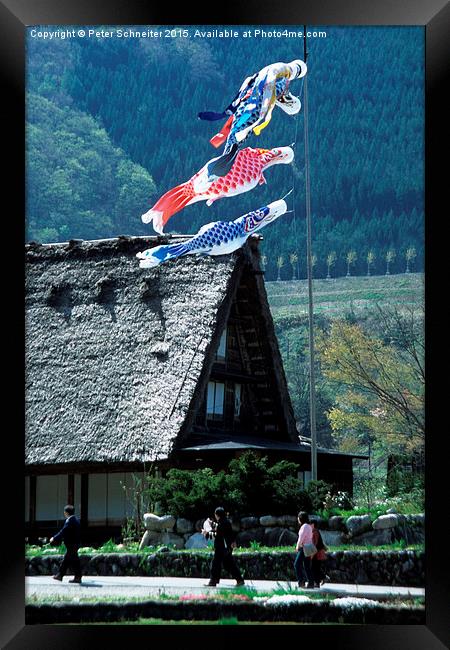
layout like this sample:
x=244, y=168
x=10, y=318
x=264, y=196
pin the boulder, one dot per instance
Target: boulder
x=385, y=521
x=318, y=521
x=249, y=522
x=374, y=537
x=197, y=540
x=288, y=521
x=184, y=526
x=268, y=520
x=336, y=523
x=420, y=519
x=170, y=539
x=235, y=525
x=153, y=522
x=277, y=536
x=150, y=538
x=331, y=537
x=356, y=525
x=252, y=535
x=287, y=538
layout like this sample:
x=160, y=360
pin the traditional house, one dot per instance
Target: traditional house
x=128, y=369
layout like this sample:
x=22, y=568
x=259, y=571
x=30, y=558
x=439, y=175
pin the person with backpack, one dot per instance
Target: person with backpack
x=319, y=558
x=224, y=542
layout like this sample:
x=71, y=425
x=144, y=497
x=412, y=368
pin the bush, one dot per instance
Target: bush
x=250, y=487
x=184, y=493
x=318, y=491
x=290, y=497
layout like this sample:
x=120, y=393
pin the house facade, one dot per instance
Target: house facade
x=129, y=370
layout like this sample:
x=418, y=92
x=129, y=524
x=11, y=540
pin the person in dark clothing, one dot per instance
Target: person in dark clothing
x=223, y=536
x=70, y=535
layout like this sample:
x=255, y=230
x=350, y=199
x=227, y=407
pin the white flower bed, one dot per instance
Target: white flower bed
x=352, y=602
x=285, y=600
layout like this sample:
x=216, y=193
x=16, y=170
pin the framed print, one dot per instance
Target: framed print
x=120, y=153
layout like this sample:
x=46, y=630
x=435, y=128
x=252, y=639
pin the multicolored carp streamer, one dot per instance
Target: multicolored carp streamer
x=251, y=110
x=245, y=174
x=217, y=238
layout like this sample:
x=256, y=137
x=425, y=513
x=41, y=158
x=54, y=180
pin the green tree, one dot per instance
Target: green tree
x=350, y=258
x=331, y=260
x=370, y=260
x=280, y=264
x=389, y=257
x=410, y=256
x=293, y=259
x=381, y=388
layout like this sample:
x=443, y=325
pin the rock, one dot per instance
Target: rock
x=163, y=549
x=252, y=535
x=268, y=520
x=336, y=523
x=197, y=540
x=331, y=537
x=356, y=525
x=145, y=540
x=287, y=521
x=235, y=525
x=385, y=521
x=184, y=526
x=274, y=536
x=249, y=522
x=173, y=540
x=373, y=537
x=150, y=538
x=153, y=522
x=287, y=538
x=391, y=511
x=319, y=522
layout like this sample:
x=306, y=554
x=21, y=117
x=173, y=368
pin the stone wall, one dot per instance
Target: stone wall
x=313, y=611
x=283, y=530
x=396, y=568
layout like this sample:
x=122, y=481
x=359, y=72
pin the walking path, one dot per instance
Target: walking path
x=146, y=587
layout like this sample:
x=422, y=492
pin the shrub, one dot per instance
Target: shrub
x=185, y=493
x=290, y=497
x=339, y=500
x=250, y=487
x=318, y=491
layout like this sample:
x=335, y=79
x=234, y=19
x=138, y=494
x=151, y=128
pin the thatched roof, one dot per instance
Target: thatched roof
x=115, y=353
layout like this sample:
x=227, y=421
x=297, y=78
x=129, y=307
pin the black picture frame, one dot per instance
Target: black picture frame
x=15, y=15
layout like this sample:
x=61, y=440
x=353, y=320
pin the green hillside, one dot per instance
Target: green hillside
x=112, y=125
x=337, y=297
x=351, y=298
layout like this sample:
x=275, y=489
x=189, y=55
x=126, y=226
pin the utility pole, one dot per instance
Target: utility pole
x=312, y=379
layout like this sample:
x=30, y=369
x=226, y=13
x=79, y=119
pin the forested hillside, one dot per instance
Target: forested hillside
x=112, y=124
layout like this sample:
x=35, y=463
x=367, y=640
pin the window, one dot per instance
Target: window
x=215, y=400
x=222, y=349
x=237, y=400
x=51, y=497
x=97, y=498
x=108, y=500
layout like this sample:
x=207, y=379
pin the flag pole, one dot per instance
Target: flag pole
x=312, y=380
